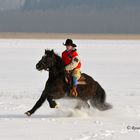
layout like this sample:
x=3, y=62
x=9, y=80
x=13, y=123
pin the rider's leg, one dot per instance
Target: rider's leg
x=75, y=81
x=74, y=88
x=76, y=74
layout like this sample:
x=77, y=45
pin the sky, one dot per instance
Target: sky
x=70, y=16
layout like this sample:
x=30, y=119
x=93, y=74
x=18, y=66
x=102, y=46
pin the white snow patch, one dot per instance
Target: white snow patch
x=114, y=64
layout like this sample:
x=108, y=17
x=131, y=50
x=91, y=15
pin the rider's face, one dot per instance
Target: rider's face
x=69, y=47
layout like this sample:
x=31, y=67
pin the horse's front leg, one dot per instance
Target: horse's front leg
x=52, y=103
x=38, y=104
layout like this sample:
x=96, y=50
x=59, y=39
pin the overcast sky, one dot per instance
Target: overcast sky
x=72, y=16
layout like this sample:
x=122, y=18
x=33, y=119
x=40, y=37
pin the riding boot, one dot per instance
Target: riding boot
x=73, y=91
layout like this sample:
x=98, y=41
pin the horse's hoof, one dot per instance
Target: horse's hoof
x=28, y=113
x=53, y=104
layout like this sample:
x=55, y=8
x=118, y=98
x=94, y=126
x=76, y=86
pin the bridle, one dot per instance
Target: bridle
x=43, y=63
x=47, y=69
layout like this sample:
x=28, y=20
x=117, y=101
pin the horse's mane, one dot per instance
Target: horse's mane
x=59, y=62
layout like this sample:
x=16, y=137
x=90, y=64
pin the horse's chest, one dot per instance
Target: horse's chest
x=54, y=86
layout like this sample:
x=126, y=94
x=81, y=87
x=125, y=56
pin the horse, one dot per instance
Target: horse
x=56, y=86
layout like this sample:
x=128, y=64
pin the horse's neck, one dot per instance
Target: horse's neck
x=56, y=72
x=58, y=69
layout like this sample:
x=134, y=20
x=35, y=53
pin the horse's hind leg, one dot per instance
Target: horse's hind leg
x=82, y=103
x=37, y=105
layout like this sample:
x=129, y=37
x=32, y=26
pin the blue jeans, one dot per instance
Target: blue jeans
x=75, y=81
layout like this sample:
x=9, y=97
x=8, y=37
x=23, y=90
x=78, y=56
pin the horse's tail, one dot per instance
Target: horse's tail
x=99, y=99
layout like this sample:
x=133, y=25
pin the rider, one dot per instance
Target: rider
x=72, y=63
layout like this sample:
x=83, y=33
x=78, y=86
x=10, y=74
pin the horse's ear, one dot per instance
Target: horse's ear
x=52, y=51
x=45, y=51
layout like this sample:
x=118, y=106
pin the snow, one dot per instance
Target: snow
x=114, y=64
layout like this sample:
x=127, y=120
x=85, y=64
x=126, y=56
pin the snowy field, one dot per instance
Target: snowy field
x=114, y=64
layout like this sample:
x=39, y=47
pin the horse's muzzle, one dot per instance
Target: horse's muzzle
x=37, y=66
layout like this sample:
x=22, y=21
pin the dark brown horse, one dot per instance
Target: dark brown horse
x=56, y=86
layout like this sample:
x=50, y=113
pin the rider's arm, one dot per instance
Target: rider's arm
x=73, y=64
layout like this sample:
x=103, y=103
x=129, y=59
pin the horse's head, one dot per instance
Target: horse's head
x=47, y=61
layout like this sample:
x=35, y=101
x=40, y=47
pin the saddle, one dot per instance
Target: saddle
x=71, y=89
x=68, y=79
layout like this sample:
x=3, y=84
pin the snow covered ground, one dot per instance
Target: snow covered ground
x=114, y=64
